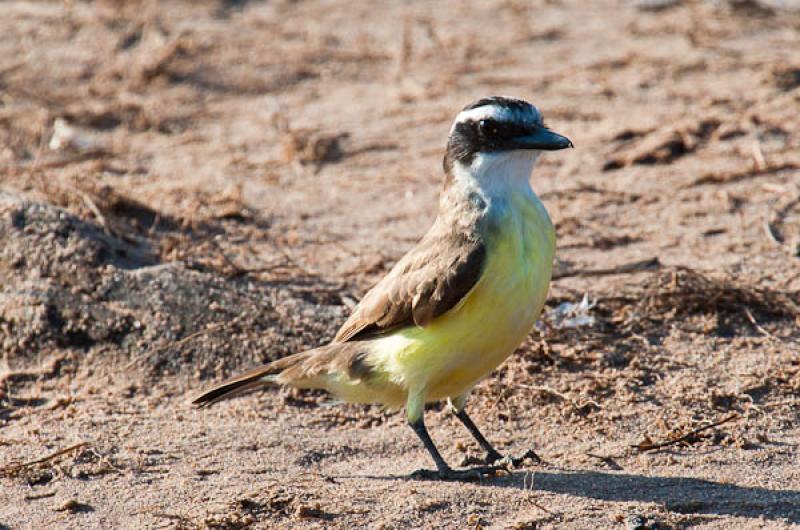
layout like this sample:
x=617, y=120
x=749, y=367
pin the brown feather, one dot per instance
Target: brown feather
x=428, y=281
x=298, y=369
x=248, y=380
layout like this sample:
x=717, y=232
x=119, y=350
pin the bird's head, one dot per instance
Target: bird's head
x=499, y=132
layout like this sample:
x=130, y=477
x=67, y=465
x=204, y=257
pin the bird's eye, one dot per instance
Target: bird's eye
x=486, y=127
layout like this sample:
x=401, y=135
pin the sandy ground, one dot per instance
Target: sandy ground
x=192, y=188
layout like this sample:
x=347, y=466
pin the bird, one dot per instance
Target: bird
x=457, y=304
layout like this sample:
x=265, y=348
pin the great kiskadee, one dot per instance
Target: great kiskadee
x=458, y=303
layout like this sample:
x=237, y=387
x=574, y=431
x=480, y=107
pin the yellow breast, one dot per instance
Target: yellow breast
x=464, y=345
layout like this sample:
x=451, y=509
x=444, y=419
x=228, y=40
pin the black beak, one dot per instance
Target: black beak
x=543, y=139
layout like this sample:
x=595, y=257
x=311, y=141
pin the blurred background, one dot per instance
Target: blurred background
x=190, y=188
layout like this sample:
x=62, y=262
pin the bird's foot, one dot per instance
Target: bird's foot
x=465, y=475
x=495, y=458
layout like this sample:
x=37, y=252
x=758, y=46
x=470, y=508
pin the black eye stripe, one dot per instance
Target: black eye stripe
x=473, y=136
x=488, y=135
x=490, y=128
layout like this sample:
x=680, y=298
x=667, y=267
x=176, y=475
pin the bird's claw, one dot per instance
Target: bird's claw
x=474, y=473
x=498, y=459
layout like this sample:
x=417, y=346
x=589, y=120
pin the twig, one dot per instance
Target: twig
x=239, y=271
x=22, y=375
x=758, y=327
x=577, y=406
x=184, y=340
x=51, y=163
x=40, y=496
x=159, y=61
x=771, y=232
x=780, y=404
x=586, y=188
x=7, y=470
x=545, y=510
x=736, y=176
x=758, y=156
x=89, y=202
x=685, y=437
x=636, y=266
x=608, y=460
x=772, y=222
x=548, y=390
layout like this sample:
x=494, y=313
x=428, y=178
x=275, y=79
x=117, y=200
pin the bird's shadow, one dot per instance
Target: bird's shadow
x=677, y=494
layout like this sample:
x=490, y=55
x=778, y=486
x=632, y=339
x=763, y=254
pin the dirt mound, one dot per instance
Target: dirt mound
x=68, y=284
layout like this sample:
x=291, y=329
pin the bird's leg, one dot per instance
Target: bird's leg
x=444, y=471
x=492, y=454
x=419, y=428
x=416, y=420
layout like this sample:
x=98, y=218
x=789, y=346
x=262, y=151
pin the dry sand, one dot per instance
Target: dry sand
x=228, y=178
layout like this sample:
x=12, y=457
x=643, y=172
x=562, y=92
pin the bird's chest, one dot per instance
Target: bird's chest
x=499, y=312
x=521, y=247
x=509, y=297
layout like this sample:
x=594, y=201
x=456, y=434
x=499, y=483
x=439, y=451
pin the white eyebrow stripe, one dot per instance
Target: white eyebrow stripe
x=495, y=112
x=482, y=113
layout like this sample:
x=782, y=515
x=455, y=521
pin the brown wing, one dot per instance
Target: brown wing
x=426, y=283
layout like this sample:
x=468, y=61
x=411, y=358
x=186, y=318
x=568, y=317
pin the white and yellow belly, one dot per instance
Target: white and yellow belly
x=447, y=357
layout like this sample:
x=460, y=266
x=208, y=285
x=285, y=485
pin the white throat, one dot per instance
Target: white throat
x=496, y=176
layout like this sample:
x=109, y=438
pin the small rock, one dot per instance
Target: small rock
x=655, y=5
x=637, y=522
x=74, y=506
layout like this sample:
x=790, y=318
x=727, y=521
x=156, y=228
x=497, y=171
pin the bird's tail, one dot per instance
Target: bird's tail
x=256, y=378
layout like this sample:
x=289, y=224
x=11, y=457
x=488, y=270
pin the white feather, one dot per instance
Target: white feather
x=495, y=176
x=499, y=113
